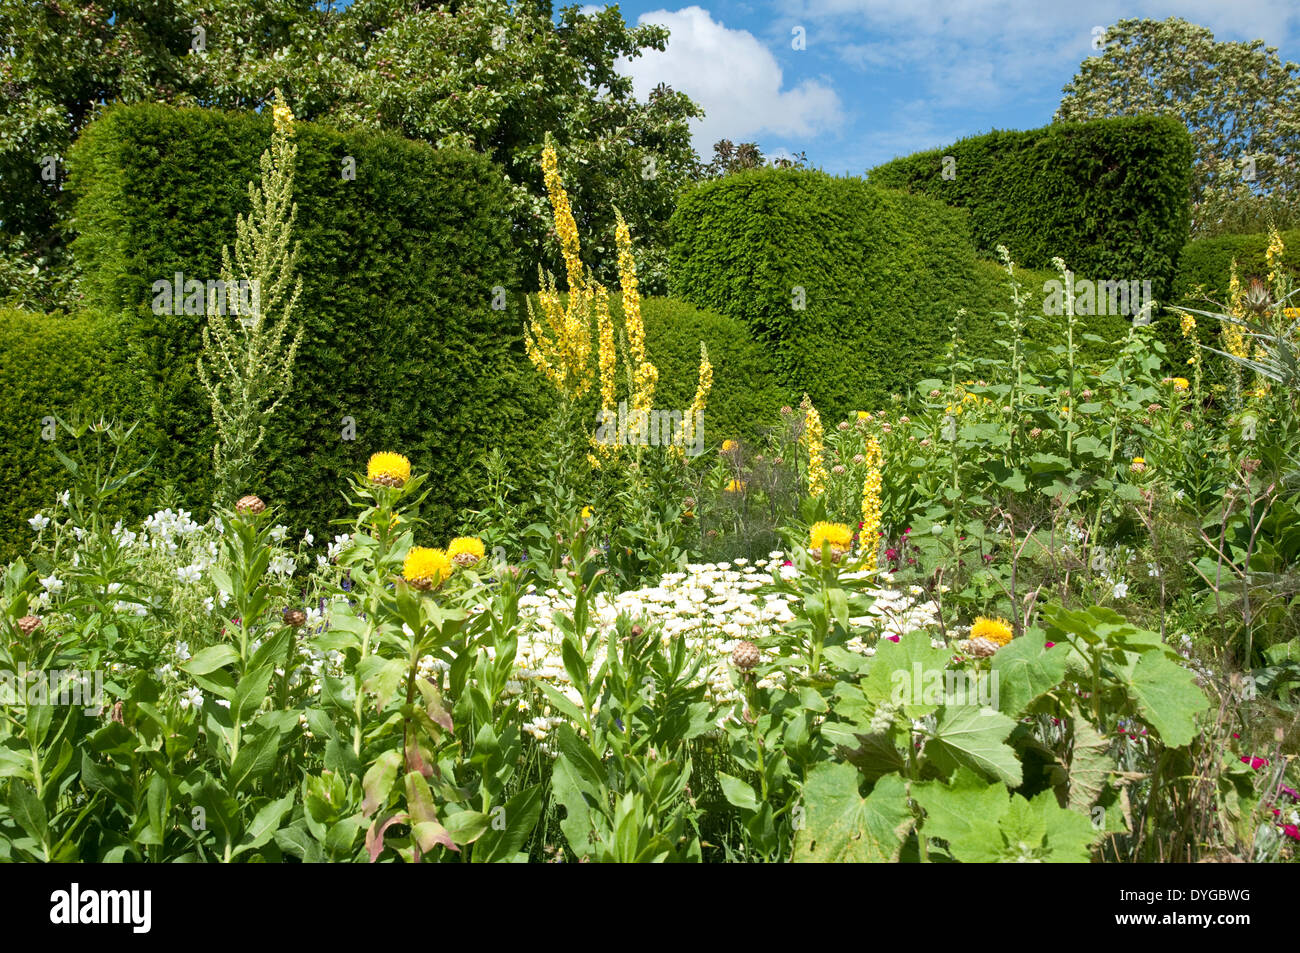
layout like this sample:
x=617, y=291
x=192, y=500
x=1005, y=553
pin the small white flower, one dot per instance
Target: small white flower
x=64, y=498
x=308, y=538
x=52, y=583
x=1120, y=591
x=282, y=565
x=188, y=573
x=39, y=522
x=278, y=534
x=209, y=604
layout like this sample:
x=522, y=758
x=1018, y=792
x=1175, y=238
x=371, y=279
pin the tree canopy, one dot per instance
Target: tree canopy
x=1239, y=101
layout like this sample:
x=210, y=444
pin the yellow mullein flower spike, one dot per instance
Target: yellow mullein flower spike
x=813, y=438
x=869, y=540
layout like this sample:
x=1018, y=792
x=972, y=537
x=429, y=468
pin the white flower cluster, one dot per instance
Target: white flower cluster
x=712, y=606
x=165, y=529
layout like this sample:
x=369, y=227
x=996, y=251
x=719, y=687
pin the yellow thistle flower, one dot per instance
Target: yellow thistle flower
x=729, y=446
x=864, y=415
x=870, y=533
x=735, y=486
x=1180, y=383
x=837, y=535
x=425, y=568
x=1139, y=465
x=997, y=631
x=587, y=512
x=388, y=469
x=813, y=438
x=465, y=551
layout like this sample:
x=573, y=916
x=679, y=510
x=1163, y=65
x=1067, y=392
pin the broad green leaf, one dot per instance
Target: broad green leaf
x=1024, y=670
x=1168, y=697
x=841, y=825
x=1090, y=765
x=264, y=825
x=466, y=827
x=737, y=792
x=210, y=659
x=962, y=813
x=901, y=671
x=379, y=780
x=971, y=736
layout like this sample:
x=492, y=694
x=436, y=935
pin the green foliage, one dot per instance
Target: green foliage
x=849, y=287
x=399, y=268
x=1239, y=101
x=1110, y=197
x=485, y=75
x=1204, y=264
x=50, y=366
x=745, y=394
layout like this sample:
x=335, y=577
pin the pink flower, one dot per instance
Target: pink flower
x=892, y=638
x=1050, y=645
x=788, y=563
x=1255, y=763
x=1289, y=792
x=1292, y=831
x=891, y=554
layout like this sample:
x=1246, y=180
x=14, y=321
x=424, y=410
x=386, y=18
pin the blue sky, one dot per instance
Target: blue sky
x=882, y=78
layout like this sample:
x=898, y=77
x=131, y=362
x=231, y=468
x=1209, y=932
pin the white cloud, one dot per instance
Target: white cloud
x=735, y=78
x=980, y=53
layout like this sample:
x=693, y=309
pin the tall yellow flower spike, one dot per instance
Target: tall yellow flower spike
x=607, y=360
x=644, y=374
x=686, y=436
x=282, y=115
x=1234, y=338
x=1273, y=255
x=869, y=540
x=561, y=348
x=813, y=438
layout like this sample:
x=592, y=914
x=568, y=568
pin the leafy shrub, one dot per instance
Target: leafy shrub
x=399, y=267
x=1111, y=197
x=850, y=287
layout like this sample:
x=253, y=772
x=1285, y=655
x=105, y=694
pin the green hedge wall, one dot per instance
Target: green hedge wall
x=881, y=274
x=1110, y=196
x=746, y=394
x=1207, y=262
x=49, y=365
x=990, y=295
x=398, y=270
